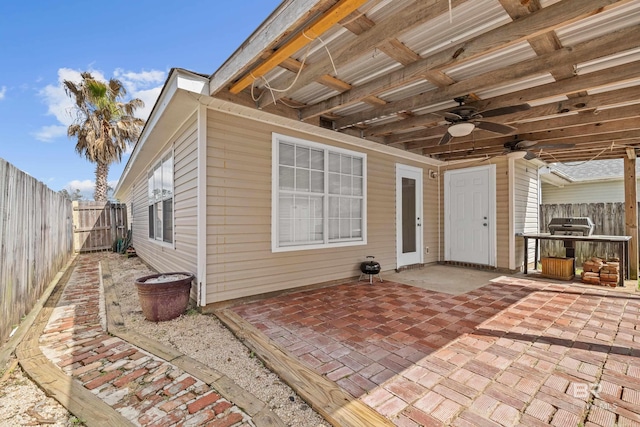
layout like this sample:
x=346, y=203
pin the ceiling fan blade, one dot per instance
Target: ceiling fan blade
x=552, y=145
x=495, y=127
x=445, y=138
x=452, y=116
x=505, y=110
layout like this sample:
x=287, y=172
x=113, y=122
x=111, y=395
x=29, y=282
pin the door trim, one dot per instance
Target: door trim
x=400, y=168
x=491, y=182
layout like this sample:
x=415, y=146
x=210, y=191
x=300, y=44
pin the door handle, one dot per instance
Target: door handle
x=485, y=224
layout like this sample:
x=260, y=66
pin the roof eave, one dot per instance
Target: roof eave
x=178, y=80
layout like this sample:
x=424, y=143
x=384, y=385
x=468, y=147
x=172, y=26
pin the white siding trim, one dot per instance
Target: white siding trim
x=202, y=206
x=511, y=168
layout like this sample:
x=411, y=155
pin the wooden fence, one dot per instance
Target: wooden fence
x=36, y=240
x=608, y=219
x=97, y=225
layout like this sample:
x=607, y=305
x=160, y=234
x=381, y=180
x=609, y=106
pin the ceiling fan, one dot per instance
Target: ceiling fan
x=528, y=146
x=464, y=119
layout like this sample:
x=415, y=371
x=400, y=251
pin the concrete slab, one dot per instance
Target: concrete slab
x=449, y=279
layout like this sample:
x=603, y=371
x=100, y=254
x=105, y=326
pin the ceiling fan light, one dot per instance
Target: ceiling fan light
x=461, y=129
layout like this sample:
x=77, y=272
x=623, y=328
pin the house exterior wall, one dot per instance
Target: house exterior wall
x=526, y=206
x=585, y=192
x=181, y=255
x=503, y=242
x=240, y=261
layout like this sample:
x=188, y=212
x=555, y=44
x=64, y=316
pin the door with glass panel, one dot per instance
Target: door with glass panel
x=408, y=215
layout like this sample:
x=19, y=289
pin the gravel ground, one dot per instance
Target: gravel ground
x=22, y=403
x=206, y=339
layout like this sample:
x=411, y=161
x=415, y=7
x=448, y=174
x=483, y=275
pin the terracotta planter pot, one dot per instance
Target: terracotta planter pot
x=164, y=297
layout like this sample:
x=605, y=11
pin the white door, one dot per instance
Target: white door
x=470, y=215
x=408, y=215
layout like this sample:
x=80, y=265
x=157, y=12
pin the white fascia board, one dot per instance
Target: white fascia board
x=178, y=80
x=273, y=28
x=313, y=130
x=554, y=178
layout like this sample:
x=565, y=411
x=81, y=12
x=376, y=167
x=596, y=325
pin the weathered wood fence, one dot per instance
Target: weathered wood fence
x=36, y=240
x=97, y=225
x=608, y=219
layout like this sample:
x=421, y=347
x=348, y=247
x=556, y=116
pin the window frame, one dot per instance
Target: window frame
x=275, y=195
x=168, y=154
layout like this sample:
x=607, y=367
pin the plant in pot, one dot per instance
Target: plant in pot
x=164, y=296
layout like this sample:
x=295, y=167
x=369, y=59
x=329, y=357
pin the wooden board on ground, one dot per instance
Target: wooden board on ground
x=334, y=404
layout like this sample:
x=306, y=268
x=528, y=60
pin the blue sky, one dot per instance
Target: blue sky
x=45, y=42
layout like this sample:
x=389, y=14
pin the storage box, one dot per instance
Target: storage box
x=557, y=268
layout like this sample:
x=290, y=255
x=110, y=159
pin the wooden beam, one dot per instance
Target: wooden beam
x=399, y=52
x=427, y=120
x=304, y=37
x=631, y=214
x=403, y=20
x=292, y=65
x=593, y=49
x=540, y=22
x=333, y=83
x=357, y=22
x=374, y=100
x=276, y=28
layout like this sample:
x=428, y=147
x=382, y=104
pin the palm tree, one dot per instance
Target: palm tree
x=104, y=125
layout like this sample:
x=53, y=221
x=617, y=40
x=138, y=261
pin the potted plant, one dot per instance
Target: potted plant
x=164, y=296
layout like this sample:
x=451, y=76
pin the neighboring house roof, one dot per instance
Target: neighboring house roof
x=596, y=170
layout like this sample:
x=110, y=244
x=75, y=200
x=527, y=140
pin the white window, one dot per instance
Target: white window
x=318, y=195
x=160, y=182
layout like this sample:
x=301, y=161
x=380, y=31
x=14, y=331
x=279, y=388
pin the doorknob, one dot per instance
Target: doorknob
x=485, y=224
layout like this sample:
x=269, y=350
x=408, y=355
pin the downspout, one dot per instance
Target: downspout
x=439, y=217
x=202, y=206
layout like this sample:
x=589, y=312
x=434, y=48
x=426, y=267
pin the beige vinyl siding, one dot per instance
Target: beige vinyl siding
x=611, y=191
x=239, y=258
x=526, y=206
x=502, y=207
x=181, y=255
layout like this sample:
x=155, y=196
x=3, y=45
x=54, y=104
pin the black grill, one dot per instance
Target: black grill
x=371, y=268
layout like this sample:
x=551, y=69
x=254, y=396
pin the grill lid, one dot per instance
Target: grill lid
x=582, y=226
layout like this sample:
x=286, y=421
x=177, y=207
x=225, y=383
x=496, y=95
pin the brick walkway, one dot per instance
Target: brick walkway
x=514, y=352
x=143, y=388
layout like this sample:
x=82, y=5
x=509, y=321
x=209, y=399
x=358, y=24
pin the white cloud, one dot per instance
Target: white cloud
x=3, y=92
x=145, y=85
x=142, y=80
x=49, y=133
x=86, y=185
x=149, y=98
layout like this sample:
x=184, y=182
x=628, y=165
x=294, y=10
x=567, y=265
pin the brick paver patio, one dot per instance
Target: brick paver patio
x=514, y=352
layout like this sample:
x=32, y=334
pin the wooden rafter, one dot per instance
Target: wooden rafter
x=308, y=34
